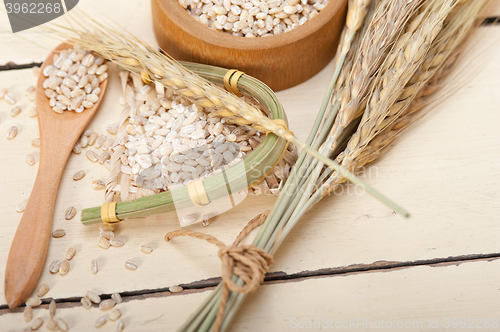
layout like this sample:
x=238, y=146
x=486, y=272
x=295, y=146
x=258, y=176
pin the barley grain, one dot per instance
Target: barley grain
x=62, y=325
x=28, y=314
x=92, y=156
x=33, y=302
x=30, y=160
x=70, y=253
x=189, y=219
x=106, y=145
x=105, y=156
x=106, y=227
x=120, y=325
x=9, y=98
x=77, y=149
x=206, y=220
x=51, y=325
x=21, y=206
x=93, y=267
x=54, y=266
x=52, y=309
x=107, y=304
x=35, y=143
x=84, y=141
x=86, y=303
x=175, y=289
x=33, y=113
x=15, y=111
x=101, y=321
x=36, y=323
x=70, y=213
x=115, y=314
x=130, y=265
x=93, y=297
x=117, y=297
x=146, y=249
x=92, y=139
x=58, y=233
x=78, y=175
x=103, y=243
x=108, y=235
x=64, y=268
x=42, y=290
x=112, y=129
x=98, y=185
x=12, y=132
x=116, y=242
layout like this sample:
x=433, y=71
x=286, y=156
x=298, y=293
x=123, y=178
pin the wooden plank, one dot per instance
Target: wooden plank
x=451, y=192
x=416, y=297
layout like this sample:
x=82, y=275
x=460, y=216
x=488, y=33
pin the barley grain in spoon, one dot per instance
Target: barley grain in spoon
x=58, y=135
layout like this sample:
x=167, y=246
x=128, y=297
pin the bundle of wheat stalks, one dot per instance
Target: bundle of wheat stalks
x=392, y=59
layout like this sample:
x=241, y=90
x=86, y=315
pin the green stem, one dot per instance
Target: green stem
x=351, y=177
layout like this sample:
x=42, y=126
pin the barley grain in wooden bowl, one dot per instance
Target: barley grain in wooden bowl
x=280, y=61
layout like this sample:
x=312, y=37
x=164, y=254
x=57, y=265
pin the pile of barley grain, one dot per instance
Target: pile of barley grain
x=168, y=141
x=73, y=80
x=253, y=18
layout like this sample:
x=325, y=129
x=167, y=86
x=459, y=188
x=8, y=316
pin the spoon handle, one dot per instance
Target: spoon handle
x=29, y=247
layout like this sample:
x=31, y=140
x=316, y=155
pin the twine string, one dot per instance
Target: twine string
x=246, y=261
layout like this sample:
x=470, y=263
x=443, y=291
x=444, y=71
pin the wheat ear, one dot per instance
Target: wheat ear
x=390, y=18
x=436, y=65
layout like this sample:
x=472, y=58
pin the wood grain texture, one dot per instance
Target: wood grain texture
x=281, y=61
x=415, y=296
x=58, y=135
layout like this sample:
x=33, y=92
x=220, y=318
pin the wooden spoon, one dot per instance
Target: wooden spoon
x=58, y=135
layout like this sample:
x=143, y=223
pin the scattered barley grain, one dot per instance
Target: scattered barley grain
x=70, y=213
x=130, y=265
x=28, y=314
x=54, y=266
x=58, y=233
x=36, y=323
x=42, y=290
x=107, y=304
x=33, y=302
x=70, y=253
x=175, y=289
x=64, y=268
x=78, y=175
x=21, y=206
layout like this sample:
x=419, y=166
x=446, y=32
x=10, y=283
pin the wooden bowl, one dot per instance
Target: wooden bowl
x=280, y=61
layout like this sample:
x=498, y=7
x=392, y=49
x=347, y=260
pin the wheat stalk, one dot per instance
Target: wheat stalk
x=410, y=60
x=389, y=19
x=402, y=114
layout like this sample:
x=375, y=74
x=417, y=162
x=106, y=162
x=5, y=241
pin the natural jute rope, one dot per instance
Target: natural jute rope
x=246, y=261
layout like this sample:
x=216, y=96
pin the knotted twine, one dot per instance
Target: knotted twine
x=246, y=261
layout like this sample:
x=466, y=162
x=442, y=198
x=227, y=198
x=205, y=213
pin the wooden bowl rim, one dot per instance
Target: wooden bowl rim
x=186, y=22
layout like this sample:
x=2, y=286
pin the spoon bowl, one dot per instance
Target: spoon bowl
x=58, y=135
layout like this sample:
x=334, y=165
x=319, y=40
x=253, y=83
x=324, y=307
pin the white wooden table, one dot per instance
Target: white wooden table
x=349, y=263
